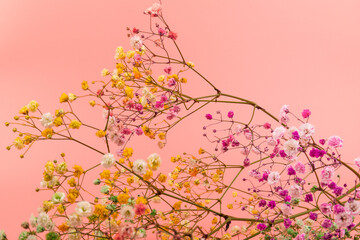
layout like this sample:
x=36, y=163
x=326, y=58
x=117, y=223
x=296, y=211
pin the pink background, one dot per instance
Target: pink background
x=302, y=53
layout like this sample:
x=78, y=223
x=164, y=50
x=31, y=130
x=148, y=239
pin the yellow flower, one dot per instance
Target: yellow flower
x=254, y=211
x=105, y=72
x=130, y=180
x=183, y=80
x=24, y=110
x=190, y=64
x=63, y=227
x=59, y=112
x=201, y=151
x=137, y=73
x=162, y=136
x=214, y=221
x=128, y=152
x=57, y=121
x=101, y=211
x=119, y=52
x=234, y=194
x=48, y=205
x=64, y=98
x=120, y=84
x=130, y=54
x=73, y=195
x=72, y=182
x=78, y=171
x=161, y=78
x=230, y=206
x=18, y=143
x=75, y=124
x=141, y=200
x=49, y=167
x=162, y=178
x=177, y=205
x=123, y=198
x=92, y=103
x=100, y=133
x=33, y=106
x=129, y=92
x=105, y=174
x=227, y=236
x=61, y=168
x=48, y=132
x=61, y=209
x=72, y=97
x=147, y=176
x=28, y=139
x=85, y=85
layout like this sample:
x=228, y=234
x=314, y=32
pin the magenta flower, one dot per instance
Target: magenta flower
x=306, y=113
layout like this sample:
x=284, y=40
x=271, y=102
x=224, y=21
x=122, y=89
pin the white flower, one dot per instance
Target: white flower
x=140, y=167
x=354, y=207
x=127, y=212
x=108, y=160
x=83, y=209
x=72, y=97
x=31, y=237
x=273, y=178
x=73, y=234
x=235, y=229
x=154, y=161
x=271, y=142
x=74, y=220
x=43, y=219
x=58, y=197
x=284, y=109
x=33, y=220
x=278, y=133
x=47, y=120
x=286, y=209
x=291, y=147
x=295, y=191
x=136, y=42
x=306, y=131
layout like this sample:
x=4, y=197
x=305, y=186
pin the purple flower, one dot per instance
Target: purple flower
x=272, y=204
x=309, y=197
x=326, y=223
x=313, y=216
x=262, y=203
x=282, y=153
x=287, y=198
x=338, y=190
x=246, y=162
x=287, y=222
x=230, y=114
x=208, y=116
x=261, y=226
x=316, y=153
x=291, y=171
x=295, y=135
x=306, y=113
x=338, y=209
x=332, y=185
x=284, y=193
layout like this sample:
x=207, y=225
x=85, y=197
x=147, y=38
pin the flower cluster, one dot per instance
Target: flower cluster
x=273, y=180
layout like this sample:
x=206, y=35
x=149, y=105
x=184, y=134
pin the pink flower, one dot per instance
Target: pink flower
x=286, y=209
x=173, y=35
x=117, y=236
x=343, y=219
x=126, y=230
x=327, y=173
x=300, y=237
x=325, y=208
x=154, y=10
x=138, y=131
x=167, y=69
x=295, y=191
x=357, y=161
x=335, y=141
x=300, y=168
x=161, y=31
x=306, y=113
x=273, y=178
x=140, y=209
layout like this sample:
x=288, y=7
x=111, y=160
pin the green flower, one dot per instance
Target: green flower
x=23, y=235
x=52, y=236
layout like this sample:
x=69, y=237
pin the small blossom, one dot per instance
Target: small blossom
x=306, y=113
x=273, y=178
x=84, y=209
x=335, y=141
x=108, y=160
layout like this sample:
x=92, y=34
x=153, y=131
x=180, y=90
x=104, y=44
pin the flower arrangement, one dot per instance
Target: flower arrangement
x=290, y=184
